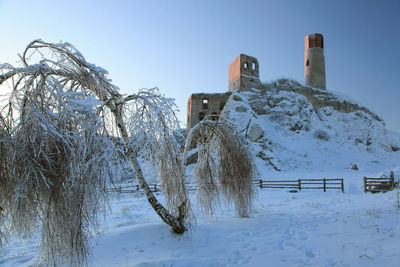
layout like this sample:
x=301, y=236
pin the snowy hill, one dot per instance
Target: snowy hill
x=295, y=131
x=296, y=127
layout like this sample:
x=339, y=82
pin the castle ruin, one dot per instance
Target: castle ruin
x=244, y=74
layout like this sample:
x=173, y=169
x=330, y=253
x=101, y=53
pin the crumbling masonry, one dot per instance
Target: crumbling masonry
x=202, y=106
x=244, y=74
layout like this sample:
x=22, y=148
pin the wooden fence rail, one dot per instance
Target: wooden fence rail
x=376, y=185
x=135, y=188
x=302, y=184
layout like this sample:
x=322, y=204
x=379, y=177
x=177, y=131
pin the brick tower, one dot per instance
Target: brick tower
x=244, y=73
x=314, y=61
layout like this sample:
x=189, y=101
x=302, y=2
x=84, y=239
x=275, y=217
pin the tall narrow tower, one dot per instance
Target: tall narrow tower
x=314, y=61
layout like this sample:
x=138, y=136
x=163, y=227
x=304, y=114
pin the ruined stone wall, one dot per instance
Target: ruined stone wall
x=244, y=73
x=202, y=106
x=314, y=61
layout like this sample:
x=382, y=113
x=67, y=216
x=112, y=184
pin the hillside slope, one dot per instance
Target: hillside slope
x=296, y=127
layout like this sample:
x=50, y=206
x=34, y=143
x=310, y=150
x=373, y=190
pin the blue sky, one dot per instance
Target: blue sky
x=184, y=47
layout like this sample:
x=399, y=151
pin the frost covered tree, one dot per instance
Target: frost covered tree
x=224, y=168
x=56, y=156
x=58, y=131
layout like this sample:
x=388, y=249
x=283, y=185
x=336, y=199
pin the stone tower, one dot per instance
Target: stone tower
x=314, y=61
x=203, y=105
x=244, y=73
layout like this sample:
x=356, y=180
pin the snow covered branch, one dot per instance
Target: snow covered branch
x=57, y=134
x=224, y=167
x=58, y=155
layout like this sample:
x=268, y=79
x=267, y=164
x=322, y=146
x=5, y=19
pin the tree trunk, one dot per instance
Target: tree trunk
x=177, y=223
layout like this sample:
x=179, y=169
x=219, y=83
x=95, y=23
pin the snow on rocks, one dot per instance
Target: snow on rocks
x=295, y=127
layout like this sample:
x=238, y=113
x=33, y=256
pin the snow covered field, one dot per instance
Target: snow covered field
x=309, y=228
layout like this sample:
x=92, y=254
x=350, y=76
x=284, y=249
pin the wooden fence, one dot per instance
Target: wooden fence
x=135, y=188
x=302, y=184
x=376, y=185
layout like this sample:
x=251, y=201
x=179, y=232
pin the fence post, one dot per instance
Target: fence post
x=299, y=184
x=365, y=184
x=324, y=185
x=342, y=185
x=391, y=182
x=260, y=183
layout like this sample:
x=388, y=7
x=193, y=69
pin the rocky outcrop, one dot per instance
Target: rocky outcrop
x=296, y=126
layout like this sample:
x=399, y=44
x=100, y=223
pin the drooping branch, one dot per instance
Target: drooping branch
x=55, y=135
x=224, y=167
x=150, y=112
x=59, y=150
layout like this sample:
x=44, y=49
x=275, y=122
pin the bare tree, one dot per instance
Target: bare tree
x=57, y=153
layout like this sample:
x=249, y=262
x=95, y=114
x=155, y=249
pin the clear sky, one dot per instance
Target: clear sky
x=185, y=47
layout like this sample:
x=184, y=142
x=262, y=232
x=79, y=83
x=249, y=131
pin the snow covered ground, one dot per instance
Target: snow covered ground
x=309, y=228
x=291, y=139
